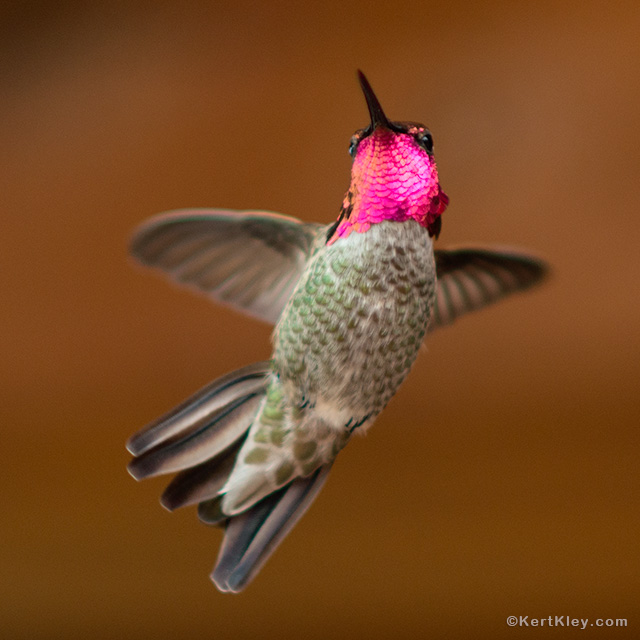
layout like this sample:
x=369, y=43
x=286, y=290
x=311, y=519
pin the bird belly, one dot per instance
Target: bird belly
x=354, y=323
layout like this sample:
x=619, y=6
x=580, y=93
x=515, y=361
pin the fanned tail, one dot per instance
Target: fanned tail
x=200, y=440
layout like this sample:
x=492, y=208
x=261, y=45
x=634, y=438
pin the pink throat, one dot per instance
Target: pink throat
x=392, y=178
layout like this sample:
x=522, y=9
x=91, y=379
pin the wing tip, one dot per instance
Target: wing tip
x=539, y=270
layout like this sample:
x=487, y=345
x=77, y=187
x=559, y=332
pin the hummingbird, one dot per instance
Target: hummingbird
x=351, y=302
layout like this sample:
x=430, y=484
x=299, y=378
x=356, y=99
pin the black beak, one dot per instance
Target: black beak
x=375, y=110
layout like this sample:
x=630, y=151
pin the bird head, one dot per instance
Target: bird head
x=393, y=175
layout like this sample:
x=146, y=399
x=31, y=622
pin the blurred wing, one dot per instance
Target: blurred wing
x=470, y=279
x=250, y=260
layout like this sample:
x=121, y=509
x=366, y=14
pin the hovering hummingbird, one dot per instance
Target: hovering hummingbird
x=351, y=302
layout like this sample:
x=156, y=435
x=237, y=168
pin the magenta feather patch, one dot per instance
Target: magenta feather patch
x=392, y=178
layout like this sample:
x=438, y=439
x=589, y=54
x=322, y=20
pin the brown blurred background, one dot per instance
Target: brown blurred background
x=503, y=478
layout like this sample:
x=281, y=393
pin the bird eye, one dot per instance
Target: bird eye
x=353, y=145
x=426, y=140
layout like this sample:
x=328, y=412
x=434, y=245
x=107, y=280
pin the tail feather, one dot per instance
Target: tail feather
x=201, y=482
x=204, y=439
x=210, y=512
x=251, y=537
x=201, y=439
x=200, y=406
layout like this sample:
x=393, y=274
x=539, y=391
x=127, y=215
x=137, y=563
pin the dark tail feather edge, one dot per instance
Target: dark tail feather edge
x=200, y=439
x=251, y=537
x=207, y=401
x=195, y=438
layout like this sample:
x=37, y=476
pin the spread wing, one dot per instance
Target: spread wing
x=470, y=279
x=250, y=260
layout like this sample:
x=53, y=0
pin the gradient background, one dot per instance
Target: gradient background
x=503, y=478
